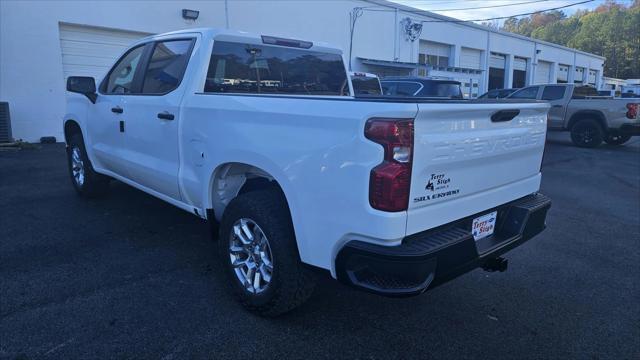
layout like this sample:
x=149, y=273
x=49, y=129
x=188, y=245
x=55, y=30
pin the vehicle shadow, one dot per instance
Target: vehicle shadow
x=632, y=145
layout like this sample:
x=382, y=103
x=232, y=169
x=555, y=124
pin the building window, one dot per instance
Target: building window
x=434, y=54
x=433, y=60
x=469, y=87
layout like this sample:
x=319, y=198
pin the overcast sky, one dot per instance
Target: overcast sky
x=503, y=7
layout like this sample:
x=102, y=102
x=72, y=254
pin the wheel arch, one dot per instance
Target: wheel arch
x=230, y=179
x=588, y=114
x=71, y=127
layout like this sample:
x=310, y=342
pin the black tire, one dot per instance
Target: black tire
x=616, y=139
x=587, y=133
x=291, y=281
x=92, y=184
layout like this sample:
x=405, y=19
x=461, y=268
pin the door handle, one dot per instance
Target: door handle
x=166, y=116
x=556, y=106
x=117, y=110
x=504, y=115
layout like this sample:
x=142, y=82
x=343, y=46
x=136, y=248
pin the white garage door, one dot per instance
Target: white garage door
x=519, y=64
x=434, y=48
x=563, y=73
x=579, y=76
x=543, y=72
x=497, y=61
x=90, y=51
x=470, y=58
x=592, y=77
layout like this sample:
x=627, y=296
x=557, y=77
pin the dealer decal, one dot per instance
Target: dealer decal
x=439, y=187
x=436, y=196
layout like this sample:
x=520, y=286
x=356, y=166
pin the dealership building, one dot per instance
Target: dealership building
x=43, y=42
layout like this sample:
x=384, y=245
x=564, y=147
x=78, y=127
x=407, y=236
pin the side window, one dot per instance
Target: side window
x=250, y=68
x=407, y=88
x=526, y=93
x=166, y=66
x=120, y=80
x=553, y=92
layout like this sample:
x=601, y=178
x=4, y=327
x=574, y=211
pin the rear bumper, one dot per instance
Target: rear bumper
x=630, y=129
x=435, y=256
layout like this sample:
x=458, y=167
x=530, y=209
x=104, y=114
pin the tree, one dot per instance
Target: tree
x=611, y=30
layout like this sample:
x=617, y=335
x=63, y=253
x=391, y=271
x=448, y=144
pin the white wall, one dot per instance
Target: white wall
x=31, y=76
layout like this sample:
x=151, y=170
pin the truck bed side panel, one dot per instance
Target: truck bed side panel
x=314, y=148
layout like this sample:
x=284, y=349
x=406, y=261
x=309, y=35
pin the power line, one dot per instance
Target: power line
x=491, y=6
x=506, y=17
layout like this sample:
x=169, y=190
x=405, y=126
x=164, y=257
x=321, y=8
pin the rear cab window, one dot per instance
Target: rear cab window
x=263, y=69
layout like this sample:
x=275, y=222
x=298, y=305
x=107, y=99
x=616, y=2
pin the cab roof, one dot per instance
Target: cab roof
x=251, y=38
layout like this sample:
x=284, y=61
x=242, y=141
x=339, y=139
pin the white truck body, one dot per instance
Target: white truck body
x=314, y=147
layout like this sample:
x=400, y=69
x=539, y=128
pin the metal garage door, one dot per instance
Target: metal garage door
x=434, y=48
x=496, y=61
x=592, y=77
x=563, y=73
x=579, y=76
x=519, y=64
x=543, y=72
x=90, y=51
x=470, y=58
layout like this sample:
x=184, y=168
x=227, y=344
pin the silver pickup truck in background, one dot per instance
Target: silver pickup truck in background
x=590, y=118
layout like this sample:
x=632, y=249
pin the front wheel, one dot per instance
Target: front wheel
x=587, y=133
x=258, y=248
x=85, y=180
x=616, y=139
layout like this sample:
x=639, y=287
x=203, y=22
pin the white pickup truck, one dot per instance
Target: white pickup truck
x=263, y=137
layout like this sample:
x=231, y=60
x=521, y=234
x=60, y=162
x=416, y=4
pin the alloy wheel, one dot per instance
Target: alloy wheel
x=77, y=166
x=250, y=255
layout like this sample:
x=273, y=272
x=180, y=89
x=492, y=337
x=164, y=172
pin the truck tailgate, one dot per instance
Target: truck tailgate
x=464, y=162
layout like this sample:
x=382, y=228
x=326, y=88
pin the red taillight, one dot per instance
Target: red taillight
x=390, y=181
x=632, y=110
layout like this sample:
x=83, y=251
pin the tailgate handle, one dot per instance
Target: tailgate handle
x=504, y=115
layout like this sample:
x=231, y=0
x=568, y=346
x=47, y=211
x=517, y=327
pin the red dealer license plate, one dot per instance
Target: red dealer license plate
x=484, y=225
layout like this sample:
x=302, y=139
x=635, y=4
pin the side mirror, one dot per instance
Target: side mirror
x=84, y=85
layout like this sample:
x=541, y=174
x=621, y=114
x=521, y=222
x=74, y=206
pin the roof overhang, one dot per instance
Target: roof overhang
x=410, y=65
x=389, y=63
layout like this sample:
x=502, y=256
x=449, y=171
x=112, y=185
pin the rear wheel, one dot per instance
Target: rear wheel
x=258, y=248
x=587, y=133
x=85, y=180
x=616, y=139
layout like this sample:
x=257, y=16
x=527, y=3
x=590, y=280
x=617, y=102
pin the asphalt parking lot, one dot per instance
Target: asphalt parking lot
x=129, y=276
